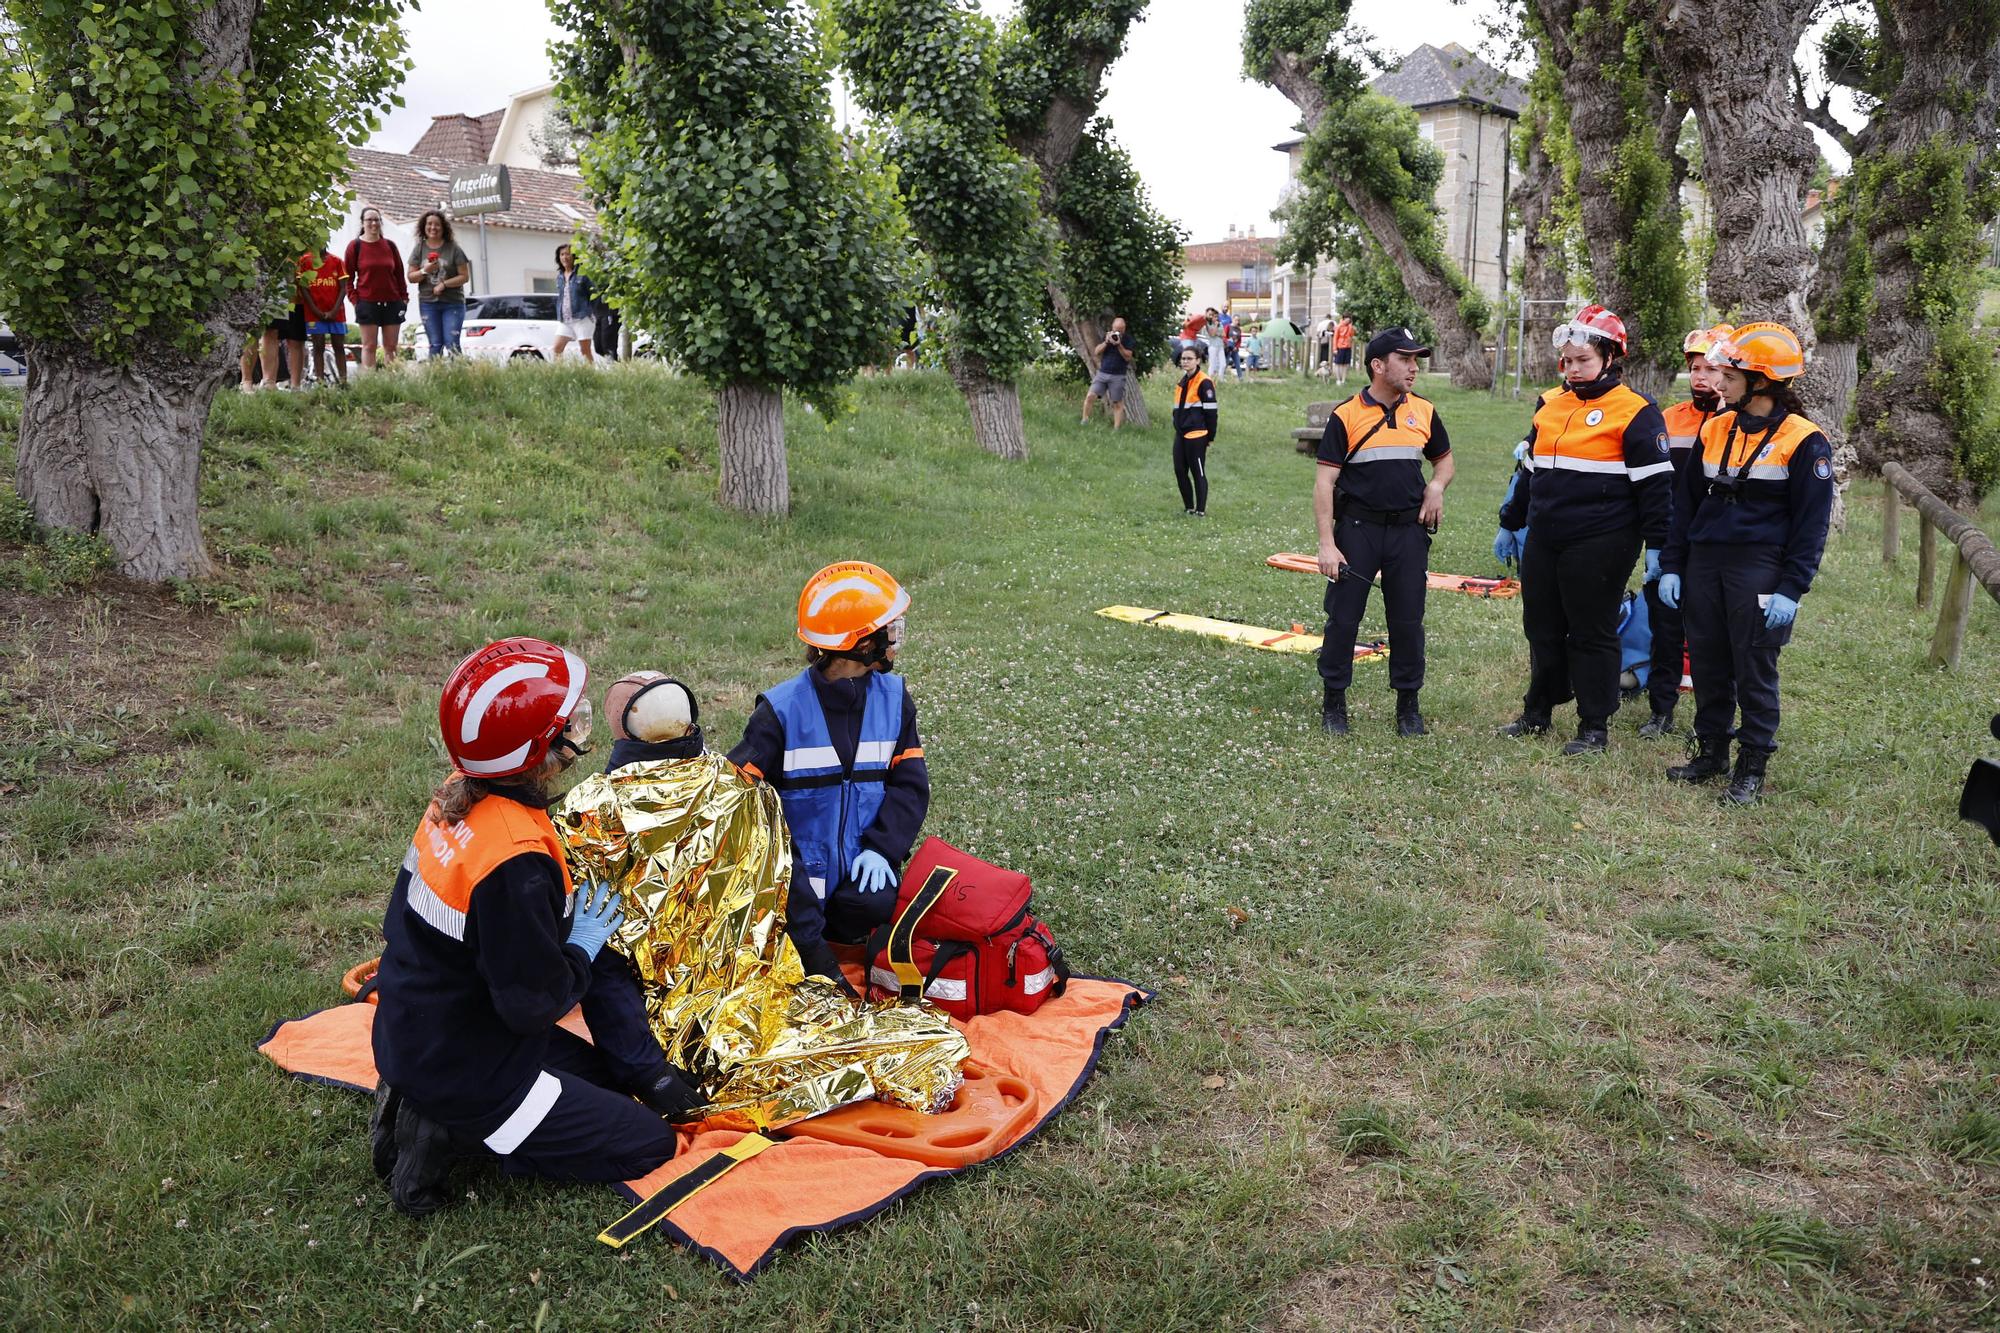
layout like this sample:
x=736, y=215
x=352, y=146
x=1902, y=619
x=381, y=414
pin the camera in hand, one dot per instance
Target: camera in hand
x=1115, y=337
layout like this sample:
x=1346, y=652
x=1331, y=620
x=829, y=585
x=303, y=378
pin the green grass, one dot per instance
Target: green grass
x=1504, y=1039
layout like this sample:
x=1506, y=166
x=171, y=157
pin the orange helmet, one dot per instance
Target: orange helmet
x=845, y=603
x=1768, y=349
x=1700, y=341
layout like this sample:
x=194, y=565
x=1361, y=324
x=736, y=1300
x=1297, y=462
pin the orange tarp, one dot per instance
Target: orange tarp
x=798, y=1185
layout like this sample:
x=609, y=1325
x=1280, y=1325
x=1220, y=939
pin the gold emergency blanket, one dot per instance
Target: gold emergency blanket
x=703, y=864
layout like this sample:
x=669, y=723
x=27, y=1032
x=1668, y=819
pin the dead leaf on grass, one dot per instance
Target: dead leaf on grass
x=1215, y=1081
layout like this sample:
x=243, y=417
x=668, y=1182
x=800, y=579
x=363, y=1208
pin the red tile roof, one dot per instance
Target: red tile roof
x=459, y=137
x=1236, y=250
x=396, y=184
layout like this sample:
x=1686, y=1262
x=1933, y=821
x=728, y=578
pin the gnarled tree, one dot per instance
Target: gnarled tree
x=736, y=222
x=1616, y=111
x=167, y=164
x=1546, y=215
x=928, y=69
x=1366, y=149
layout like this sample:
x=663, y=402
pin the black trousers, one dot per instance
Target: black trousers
x=615, y=1009
x=1571, y=594
x=1191, y=472
x=1663, y=686
x=1400, y=553
x=1735, y=658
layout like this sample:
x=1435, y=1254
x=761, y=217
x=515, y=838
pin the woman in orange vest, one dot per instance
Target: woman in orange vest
x=1194, y=431
x=487, y=945
x=1343, y=349
x=1598, y=481
x=1749, y=529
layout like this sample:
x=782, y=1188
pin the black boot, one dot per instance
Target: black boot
x=1528, y=724
x=673, y=1096
x=1748, y=779
x=1711, y=761
x=420, y=1180
x=1333, y=712
x=1409, y=720
x=1591, y=738
x=382, y=1130
x=1662, y=724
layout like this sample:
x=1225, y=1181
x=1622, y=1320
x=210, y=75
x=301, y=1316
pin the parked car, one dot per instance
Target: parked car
x=500, y=327
x=13, y=361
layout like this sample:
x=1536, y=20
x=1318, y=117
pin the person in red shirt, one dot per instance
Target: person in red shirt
x=322, y=283
x=381, y=292
x=1192, y=334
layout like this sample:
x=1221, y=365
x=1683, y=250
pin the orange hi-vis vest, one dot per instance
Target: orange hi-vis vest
x=1343, y=335
x=1191, y=413
x=1684, y=423
x=1372, y=440
x=1756, y=455
x=1573, y=434
x=447, y=861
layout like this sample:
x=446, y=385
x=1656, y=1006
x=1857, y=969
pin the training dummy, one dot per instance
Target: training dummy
x=839, y=742
x=488, y=943
x=702, y=866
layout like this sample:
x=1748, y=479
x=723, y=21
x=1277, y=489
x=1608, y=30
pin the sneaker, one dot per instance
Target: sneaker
x=1528, y=724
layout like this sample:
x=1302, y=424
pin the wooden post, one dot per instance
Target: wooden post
x=1953, y=615
x=1892, y=523
x=1926, y=562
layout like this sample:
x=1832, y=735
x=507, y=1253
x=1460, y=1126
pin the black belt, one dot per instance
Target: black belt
x=1388, y=518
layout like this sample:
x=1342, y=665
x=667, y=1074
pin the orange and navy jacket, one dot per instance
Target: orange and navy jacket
x=1684, y=423
x=1194, y=408
x=476, y=964
x=1386, y=471
x=1599, y=462
x=1786, y=466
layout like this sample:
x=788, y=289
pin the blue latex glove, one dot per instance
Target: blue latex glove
x=1507, y=546
x=597, y=918
x=870, y=872
x=1652, y=564
x=1780, y=611
x=1670, y=590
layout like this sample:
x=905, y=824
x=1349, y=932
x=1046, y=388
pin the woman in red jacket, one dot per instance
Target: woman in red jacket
x=381, y=292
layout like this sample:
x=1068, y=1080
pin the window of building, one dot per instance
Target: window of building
x=1425, y=131
x=541, y=282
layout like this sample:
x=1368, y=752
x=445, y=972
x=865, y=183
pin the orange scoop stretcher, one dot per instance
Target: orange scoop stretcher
x=1470, y=584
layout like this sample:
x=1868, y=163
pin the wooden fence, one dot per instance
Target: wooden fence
x=1974, y=559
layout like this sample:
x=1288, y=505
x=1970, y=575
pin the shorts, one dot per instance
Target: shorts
x=381, y=312
x=580, y=330
x=1111, y=388
x=323, y=328
x=292, y=328
x=1343, y=356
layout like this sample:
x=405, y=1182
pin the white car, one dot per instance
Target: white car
x=13, y=362
x=500, y=328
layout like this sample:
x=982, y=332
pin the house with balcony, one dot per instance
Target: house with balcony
x=1233, y=274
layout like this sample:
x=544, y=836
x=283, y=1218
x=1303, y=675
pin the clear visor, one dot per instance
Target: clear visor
x=577, y=732
x=895, y=628
x=1724, y=354
x=1573, y=335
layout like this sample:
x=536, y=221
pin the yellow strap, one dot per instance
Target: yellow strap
x=902, y=935
x=654, y=1209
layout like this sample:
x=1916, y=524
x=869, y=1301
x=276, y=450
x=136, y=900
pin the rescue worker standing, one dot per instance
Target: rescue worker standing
x=839, y=741
x=1194, y=430
x=1684, y=423
x=1599, y=479
x=1748, y=534
x=487, y=945
x=1376, y=516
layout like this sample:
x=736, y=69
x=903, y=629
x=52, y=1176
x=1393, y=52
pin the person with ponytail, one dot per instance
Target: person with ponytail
x=1749, y=529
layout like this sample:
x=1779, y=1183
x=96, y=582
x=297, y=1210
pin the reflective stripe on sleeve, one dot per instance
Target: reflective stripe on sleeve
x=534, y=1109
x=436, y=911
x=1650, y=470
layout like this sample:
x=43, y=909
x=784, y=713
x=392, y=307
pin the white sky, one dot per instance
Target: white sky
x=1200, y=133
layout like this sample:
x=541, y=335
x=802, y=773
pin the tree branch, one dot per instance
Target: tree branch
x=1822, y=115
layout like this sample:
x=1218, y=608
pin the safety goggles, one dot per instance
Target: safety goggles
x=1725, y=354
x=1574, y=335
x=576, y=732
x=895, y=645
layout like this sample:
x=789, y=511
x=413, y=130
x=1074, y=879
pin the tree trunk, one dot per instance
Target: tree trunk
x=1944, y=105
x=750, y=431
x=1733, y=64
x=1462, y=347
x=1135, y=399
x=1542, y=271
x=116, y=451
x=995, y=406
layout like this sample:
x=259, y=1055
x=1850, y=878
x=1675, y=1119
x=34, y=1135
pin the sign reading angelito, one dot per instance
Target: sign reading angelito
x=481, y=189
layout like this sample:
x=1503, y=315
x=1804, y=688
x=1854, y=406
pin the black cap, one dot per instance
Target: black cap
x=1393, y=340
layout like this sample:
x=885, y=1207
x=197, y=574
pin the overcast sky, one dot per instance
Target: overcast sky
x=1200, y=133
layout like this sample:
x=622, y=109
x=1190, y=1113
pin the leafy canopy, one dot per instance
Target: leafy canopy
x=736, y=222
x=1120, y=255
x=927, y=69
x=145, y=184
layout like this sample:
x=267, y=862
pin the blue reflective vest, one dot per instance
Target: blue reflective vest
x=827, y=807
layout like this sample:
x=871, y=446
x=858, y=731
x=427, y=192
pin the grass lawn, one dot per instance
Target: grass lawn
x=1453, y=1033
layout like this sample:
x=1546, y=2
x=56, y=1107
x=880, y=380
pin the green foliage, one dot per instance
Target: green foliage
x=735, y=219
x=1048, y=51
x=50, y=562
x=1313, y=29
x=1120, y=255
x=927, y=69
x=1371, y=289
x=147, y=186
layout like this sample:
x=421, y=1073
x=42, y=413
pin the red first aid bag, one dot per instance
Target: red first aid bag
x=964, y=938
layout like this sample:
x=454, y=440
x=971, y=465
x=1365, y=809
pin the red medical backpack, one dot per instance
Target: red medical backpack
x=963, y=936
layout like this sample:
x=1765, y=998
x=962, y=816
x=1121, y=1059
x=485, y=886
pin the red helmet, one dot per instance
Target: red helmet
x=1593, y=321
x=507, y=703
